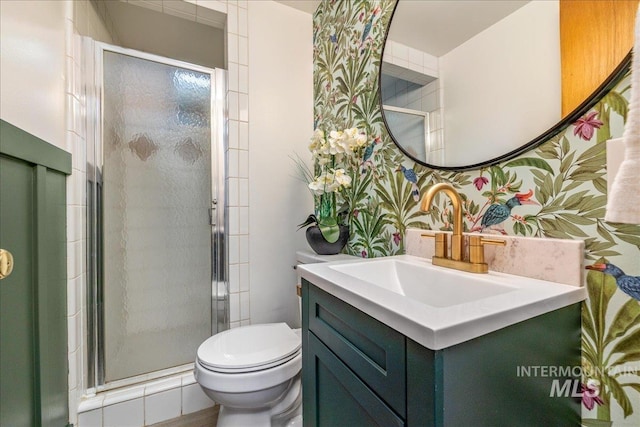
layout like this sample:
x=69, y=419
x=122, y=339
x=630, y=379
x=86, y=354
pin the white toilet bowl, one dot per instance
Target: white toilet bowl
x=253, y=372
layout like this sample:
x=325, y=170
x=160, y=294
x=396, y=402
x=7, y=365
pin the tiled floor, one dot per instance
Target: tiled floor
x=205, y=418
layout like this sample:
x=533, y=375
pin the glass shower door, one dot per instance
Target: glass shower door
x=156, y=221
x=410, y=127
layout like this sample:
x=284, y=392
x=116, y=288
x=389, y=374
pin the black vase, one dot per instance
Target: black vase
x=321, y=246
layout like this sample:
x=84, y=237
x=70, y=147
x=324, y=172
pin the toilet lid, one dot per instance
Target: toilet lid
x=249, y=347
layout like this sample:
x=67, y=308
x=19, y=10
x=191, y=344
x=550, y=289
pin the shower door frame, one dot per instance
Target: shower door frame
x=93, y=70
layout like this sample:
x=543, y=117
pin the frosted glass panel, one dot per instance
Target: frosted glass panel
x=410, y=129
x=156, y=196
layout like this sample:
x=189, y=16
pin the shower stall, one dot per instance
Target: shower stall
x=157, y=275
x=411, y=127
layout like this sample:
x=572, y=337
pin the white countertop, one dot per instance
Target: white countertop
x=310, y=257
x=440, y=327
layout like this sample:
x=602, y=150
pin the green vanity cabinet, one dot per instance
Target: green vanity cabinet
x=358, y=371
x=33, y=298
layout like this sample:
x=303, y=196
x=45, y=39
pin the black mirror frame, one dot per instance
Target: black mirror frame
x=620, y=71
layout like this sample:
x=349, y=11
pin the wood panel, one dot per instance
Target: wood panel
x=33, y=300
x=18, y=377
x=595, y=36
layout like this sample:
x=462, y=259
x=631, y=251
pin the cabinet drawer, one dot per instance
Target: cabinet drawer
x=374, y=351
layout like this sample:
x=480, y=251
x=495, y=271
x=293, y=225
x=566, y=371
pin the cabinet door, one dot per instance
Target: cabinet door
x=335, y=396
x=369, y=348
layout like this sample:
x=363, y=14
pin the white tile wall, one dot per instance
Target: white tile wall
x=144, y=404
x=194, y=399
x=413, y=61
x=244, y=277
x=129, y=413
x=425, y=94
x=234, y=307
x=137, y=407
x=243, y=136
x=238, y=61
x=234, y=278
x=162, y=406
x=76, y=209
x=91, y=418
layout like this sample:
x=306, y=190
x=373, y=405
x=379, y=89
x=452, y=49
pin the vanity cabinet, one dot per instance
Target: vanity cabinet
x=357, y=371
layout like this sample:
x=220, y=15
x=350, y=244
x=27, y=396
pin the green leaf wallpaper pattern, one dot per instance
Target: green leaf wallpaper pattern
x=566, y=176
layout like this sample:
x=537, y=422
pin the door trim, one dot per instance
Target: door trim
x=37, y=151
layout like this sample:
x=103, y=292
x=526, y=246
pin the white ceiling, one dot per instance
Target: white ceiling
x=437, y=26
x=308, y=6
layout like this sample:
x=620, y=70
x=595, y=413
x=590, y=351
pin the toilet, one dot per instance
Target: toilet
x=254, y=372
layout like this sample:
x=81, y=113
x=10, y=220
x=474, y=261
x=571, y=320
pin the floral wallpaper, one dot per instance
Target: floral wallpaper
x=557, y=190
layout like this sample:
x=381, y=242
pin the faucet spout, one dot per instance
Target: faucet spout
x=456, y=201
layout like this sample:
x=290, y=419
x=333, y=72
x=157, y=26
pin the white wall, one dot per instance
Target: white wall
x=281, y=112
x=528, y=99
x=32, y=68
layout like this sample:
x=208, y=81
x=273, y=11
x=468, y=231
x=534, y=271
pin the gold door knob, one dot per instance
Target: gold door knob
x=6, y=263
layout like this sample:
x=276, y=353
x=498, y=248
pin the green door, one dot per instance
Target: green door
x=17, y=352
x=33, y=318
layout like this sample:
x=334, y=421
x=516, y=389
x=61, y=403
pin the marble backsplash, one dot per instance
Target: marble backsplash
x=555, y=260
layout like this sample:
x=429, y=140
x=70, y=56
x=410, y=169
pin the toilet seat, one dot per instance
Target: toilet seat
x=249, y=348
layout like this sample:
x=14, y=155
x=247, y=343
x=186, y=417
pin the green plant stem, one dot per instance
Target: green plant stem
x=604, y=412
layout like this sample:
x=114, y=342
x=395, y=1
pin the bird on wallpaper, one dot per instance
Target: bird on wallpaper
x=368, y=154
x=334, y=40
x=630, y=285
x=367, y=28
x=498, y=213
x=411, y=176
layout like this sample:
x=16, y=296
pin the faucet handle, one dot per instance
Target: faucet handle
x=441, y=243
x=476, y=247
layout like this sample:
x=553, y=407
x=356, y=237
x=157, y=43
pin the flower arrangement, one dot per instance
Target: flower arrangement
x=336, y=159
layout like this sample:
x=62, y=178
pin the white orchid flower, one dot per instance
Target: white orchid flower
x=336, y=149
x=342, y=178
x=323, y=161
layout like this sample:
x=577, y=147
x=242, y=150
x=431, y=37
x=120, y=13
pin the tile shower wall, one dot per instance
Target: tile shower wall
x=163, y=399
x=412, y=65
x=409, y=60
x=566, y=176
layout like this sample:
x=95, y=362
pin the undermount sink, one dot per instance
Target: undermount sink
x=435, y=306
x=433, y=286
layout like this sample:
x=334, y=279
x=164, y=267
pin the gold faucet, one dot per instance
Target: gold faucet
x=476, y=263
x=457, y=242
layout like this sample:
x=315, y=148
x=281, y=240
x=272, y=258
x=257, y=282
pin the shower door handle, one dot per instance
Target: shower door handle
x=6, y=263
x=212, y=212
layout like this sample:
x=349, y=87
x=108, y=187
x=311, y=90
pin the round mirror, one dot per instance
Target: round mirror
x=465, y=84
